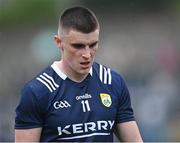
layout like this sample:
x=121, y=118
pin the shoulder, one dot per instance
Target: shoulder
x=111, y=79
x=107, y=74
x=43, y=84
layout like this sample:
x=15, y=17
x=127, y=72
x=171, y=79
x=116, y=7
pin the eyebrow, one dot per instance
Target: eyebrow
x=81, y=45
x=94, y=43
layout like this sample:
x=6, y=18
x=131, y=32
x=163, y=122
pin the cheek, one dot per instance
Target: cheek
x=93, y=52
x=72, y=54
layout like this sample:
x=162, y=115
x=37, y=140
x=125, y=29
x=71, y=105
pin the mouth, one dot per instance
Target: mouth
x=85, y=65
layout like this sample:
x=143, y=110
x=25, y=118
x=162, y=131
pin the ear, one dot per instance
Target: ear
x=57, y=40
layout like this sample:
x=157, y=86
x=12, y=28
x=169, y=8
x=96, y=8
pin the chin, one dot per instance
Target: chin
x=84, y=72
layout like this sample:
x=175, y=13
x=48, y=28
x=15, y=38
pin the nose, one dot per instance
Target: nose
x=86, y=53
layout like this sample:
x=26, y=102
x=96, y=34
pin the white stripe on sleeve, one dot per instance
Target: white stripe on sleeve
x=42, y=81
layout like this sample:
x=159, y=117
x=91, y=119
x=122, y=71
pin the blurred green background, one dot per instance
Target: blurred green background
x=139, y=39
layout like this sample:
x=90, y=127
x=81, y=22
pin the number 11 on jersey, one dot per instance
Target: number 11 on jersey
x=85, y=105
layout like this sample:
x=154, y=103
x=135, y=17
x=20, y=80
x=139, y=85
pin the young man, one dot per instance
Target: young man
x=76, y=99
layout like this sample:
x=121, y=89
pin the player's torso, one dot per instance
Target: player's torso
x=81, y=112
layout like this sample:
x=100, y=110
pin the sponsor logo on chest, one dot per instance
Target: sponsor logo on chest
x=86, y=127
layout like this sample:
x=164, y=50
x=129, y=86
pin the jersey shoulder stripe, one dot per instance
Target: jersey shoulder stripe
x=105, y=74
x=48, y=81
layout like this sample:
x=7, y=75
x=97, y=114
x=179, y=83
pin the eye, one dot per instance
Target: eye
x=78, y=46
x=93, y=45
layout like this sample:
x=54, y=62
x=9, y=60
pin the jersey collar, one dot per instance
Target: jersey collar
x=60, y=73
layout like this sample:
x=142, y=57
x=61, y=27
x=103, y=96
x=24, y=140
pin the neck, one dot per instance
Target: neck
x=70, y=73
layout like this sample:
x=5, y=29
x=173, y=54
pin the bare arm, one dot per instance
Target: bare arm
x=128, y=132
x=28, y=135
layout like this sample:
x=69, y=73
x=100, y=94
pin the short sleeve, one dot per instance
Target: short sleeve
x=125, y=111
x=28, y=113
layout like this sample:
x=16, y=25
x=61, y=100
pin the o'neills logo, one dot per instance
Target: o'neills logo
x=94, y=128
x=85, y=96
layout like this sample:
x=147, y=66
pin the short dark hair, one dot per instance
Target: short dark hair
x=79, y=18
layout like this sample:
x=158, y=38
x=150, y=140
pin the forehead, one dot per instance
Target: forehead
x=74, y=36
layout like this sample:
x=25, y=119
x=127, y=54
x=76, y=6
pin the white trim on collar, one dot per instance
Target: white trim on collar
x=58, y=71
x=61, y=74
x=91, y=71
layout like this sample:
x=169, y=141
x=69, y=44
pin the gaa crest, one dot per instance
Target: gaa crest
x=106, y=99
